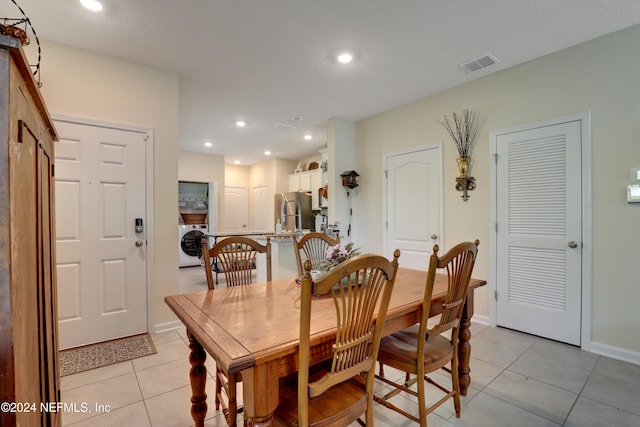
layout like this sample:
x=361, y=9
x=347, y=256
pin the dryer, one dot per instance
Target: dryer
x=189, y=246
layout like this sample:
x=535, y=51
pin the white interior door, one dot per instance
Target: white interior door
x=260, y=208
x=539, y=242
x=236, y=209
x=101, y=259
x=413, y=195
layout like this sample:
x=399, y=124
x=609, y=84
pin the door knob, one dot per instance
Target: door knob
x=139, y=243
x=573, y=244
x=434, y=237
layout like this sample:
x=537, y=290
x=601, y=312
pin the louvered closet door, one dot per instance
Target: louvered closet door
x=539, y=231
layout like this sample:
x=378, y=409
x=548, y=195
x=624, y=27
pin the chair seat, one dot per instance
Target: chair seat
x=328, y=409
x=400, y=350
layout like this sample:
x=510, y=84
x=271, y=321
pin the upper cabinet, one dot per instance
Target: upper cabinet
x=309, y=182
x=300, y=181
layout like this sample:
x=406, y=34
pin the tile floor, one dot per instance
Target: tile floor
x=516, y=380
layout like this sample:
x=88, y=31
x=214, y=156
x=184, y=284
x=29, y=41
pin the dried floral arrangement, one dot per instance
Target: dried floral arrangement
x=464, y=130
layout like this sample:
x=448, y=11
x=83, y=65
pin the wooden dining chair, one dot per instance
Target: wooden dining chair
x=236, y=256
x=314, y=247
x=419, y=350
x=337, y=392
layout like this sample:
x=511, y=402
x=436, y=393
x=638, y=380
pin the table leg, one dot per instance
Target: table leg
x=261, y=394
x=464, y=345
x=198, y=378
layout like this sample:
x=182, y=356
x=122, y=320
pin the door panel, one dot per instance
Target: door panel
x=260, y=209
x=413, y=204
x=236, y=209
x=539, y=216
x=100, y=190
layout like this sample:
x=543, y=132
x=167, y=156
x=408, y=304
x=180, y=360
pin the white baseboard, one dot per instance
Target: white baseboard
x=483, y=320
x=615, y=352
x=167, y=326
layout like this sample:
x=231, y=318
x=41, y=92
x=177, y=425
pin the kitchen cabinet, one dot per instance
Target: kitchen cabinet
x=29, y=372
x=309, y=181
x=317, y=202
x=300, y=181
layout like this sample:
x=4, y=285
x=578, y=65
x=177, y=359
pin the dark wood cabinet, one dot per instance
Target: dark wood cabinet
x=29, y=371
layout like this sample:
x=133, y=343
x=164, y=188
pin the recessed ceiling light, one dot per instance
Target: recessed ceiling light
x=344, y=57
x=208, y=144
x=307, y=137
x=267, y=153
x=92, y=5
x=241, y=123
x=236, y=162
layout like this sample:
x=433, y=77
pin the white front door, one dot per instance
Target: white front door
x=260, y=208
x=236, y=209
x=101, y=258
x=539, y=230
x=413, y=195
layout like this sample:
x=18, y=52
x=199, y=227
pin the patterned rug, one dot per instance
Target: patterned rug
x=93, y=356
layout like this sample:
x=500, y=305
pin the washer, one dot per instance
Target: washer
x=189, y=246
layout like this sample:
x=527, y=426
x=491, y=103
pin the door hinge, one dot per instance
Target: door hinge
x=386, y=175
x=496, y=227
x=53, y=170
x=386, y=224
x=20, y=129
x=495, y=295
x=146, y=138
x=495, y=158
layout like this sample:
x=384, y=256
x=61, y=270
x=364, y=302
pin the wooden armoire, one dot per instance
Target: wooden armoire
x=28, y=313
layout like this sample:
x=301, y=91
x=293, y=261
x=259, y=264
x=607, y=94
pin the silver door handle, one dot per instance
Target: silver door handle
x=434, y=237
x=139, y=243
x=573, y=244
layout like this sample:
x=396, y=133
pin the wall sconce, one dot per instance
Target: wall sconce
x=464, y=131
x=349, y=179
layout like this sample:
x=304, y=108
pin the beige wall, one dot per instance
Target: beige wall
x=92, y=86
x=600, y=76
x=201, y=167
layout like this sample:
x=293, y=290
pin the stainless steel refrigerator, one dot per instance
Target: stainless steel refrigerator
x=293, y=211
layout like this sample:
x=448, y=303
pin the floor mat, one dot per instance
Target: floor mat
x=93, y=356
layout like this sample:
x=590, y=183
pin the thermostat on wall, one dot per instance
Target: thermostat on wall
x=633, y=193
x=635, y=175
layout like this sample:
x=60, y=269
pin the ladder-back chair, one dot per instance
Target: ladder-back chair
x=337, y=392
x=419, y=350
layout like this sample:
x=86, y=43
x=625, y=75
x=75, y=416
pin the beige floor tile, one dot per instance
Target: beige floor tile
x=163, y=378
x=95, y=375
x=134, y=415
x=167, y=352
x=113, y=393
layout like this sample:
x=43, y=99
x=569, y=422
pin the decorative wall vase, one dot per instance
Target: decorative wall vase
x=464, y=131
x=463, y=165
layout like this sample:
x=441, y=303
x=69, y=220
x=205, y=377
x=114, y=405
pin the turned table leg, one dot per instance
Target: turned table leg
x=198, y=378
x=464, y=346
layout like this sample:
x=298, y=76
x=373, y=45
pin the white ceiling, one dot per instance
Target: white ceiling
x=268, y=61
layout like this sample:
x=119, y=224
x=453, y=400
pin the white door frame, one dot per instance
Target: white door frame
x=149, y=226
x=587, y=218
x=385, y=158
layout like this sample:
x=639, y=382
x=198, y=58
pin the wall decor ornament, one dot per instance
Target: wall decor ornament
x=10, y=28
x=464, y=130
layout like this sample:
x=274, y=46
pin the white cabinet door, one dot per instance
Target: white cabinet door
x=316, y=184
x=300, y=181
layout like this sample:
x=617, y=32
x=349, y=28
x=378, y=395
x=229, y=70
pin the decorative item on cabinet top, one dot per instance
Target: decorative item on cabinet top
x=10, y=27
x=464, y=131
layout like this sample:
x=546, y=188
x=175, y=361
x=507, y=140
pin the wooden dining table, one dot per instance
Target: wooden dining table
x=254, y=329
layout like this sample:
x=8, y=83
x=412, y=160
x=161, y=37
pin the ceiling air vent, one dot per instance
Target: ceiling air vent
x=479, y=63
x=283, y=126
